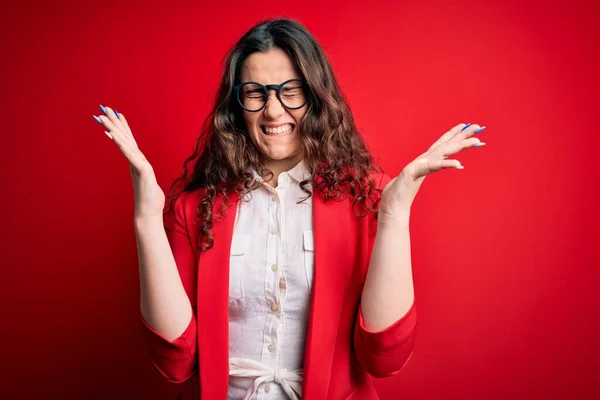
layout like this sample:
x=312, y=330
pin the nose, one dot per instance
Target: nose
x=274, y=109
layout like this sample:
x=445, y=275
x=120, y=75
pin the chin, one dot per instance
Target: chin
x=279, y=151
x=280, y=155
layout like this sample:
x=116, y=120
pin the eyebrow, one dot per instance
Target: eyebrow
x=278, y=83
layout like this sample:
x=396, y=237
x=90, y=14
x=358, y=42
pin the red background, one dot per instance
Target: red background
x=504, y=252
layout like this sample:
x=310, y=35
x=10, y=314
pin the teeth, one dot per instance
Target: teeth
x=282, y=130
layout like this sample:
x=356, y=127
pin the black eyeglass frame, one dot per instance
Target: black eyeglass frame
x=267, y=89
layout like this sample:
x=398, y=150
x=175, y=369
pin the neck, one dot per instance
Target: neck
x=279, y=166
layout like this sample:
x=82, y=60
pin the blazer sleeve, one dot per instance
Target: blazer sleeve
x=384, y=353
x=177, y=360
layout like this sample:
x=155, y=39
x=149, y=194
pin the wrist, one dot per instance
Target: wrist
x=141, y=221
x=397, y=216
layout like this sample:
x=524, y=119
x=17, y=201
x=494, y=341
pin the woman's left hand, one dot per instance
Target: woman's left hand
x=399, y=193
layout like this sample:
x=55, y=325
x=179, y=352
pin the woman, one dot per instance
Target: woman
x=272, y=281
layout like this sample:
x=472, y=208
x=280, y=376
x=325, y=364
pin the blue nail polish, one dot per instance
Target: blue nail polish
x=479, y=129
x=469, y=124
x=479, y=144
x=98, y=119
x=103, y=109
x=117, y=114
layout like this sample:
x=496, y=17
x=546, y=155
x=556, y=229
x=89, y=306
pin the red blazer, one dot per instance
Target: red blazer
x=340, y=353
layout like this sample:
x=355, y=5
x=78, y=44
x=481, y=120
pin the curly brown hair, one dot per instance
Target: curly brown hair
x=335, y=154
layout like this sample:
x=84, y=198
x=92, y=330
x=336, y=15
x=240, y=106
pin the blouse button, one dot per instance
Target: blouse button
x=274, y=267
x=271, y=348
x=274, y=307
x=274, y=231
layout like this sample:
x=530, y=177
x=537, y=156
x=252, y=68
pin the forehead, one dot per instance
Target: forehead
x=272, y=67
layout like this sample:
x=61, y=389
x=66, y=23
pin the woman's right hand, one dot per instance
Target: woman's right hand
x=149, y=197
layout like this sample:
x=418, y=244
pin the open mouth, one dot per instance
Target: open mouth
x=283, y=130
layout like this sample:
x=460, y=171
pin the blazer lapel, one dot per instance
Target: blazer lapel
x=213, y=308
x=331, y=228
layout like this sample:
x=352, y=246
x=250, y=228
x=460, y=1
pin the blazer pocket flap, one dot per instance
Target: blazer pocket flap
x=309, y=243
x=239, y=244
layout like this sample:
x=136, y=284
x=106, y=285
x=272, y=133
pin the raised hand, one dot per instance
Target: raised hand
x=149, y=197
x=399, y=193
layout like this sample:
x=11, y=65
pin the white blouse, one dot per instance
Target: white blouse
x=271, y=273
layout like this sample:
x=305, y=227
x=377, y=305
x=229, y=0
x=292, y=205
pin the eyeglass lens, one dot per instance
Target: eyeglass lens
x=253, y=96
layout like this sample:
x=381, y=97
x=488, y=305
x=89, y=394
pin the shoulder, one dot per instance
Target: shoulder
x=193, y=198
x=186, y=204
x=380, y=178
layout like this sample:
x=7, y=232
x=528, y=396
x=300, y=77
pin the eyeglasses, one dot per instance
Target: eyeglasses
x=253, y=96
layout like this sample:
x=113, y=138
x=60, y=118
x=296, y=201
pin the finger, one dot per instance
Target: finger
x=452, y=147
x=125, y=123
x=448, y=135
x=465, y=134
x=116, y=131
x=135, y=157
x=112, y=116
x=429, y=165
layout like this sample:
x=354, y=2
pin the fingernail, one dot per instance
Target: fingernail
x=479, y=129
x=460, y=167
x=117, y=114
x=479, y=144
x=469, y=124
x=109, y=135
x=103, y=109
x=98, y=119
